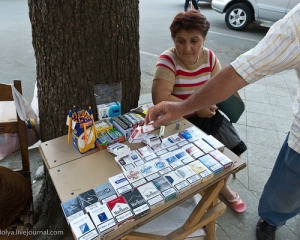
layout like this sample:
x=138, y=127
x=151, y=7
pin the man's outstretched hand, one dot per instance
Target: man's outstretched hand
x=164, y=112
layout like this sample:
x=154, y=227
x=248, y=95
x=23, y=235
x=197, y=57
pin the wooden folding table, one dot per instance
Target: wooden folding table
x=73, y=173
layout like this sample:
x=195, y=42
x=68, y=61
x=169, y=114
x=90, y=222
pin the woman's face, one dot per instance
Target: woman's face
x=188, y=45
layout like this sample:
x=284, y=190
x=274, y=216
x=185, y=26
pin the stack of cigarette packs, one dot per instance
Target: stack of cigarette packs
x=151, y=175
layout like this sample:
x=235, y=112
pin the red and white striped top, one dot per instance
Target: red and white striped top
x=186, y=78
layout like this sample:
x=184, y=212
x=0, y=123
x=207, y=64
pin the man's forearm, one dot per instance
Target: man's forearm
x=217, y=89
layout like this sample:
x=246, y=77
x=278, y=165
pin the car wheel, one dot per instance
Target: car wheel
x=238, y=16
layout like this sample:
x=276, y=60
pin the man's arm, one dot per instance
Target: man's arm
x=216, y=90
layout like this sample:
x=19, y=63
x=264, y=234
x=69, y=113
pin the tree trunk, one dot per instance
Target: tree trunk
x=80, y=43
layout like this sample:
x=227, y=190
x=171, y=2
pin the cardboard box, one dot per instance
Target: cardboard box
x=83, y=228
x=137, y=203
x=105, y=192
x=151, y=194
x=120, y=184
x=72, y=209
x=103, y=220
x=120, y=210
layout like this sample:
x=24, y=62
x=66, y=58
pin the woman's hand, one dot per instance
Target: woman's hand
x=207, y=112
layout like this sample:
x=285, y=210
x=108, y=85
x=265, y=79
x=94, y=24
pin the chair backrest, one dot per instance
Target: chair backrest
x=15, y=127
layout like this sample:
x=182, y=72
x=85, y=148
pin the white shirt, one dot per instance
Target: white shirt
x=279, y=50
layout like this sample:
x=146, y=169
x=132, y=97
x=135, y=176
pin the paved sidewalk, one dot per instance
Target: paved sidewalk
x=263, y=127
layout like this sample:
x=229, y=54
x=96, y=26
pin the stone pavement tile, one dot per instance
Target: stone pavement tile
x=282, y=124
x=257, y=107
x=279, y=91
x=258, y=176
x=281, y=111
x=241, y=130
x=256, y=96
x=281, y=101
x=276, y=80
x=264, y=137
x=261, y=121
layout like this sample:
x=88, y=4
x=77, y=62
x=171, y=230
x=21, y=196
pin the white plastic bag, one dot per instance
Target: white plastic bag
x=9, y=142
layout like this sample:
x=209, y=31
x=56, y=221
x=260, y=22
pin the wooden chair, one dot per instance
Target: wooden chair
x=19, y=180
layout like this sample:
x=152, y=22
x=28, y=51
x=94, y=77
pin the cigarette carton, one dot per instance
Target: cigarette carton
x=202, y=170
x=105, y=192
x=163, y=185
x=221, y=158
x=135, y=178
x=89, y=200
x=135, y=158
x=125, y=163
x=180, y=184
x=194, y=151
x=161, y=166
x=120, y=210
x=203, y=145
x=196, y=132
x=137, y=203
x=72, y=209
x=172, y=160
x=216, y=144
x=148, y=171
x=146, y=154
x=151, y=194
x=211, y=163
x=188, y=174
x=186, y=134
x=103, y=220
x=83, y=228
x=120, y=184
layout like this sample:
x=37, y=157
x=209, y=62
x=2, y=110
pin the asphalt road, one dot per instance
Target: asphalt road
x=17, y=56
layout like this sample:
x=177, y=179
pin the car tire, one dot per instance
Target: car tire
x=238, y=16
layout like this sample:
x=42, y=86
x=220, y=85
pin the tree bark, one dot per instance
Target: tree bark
x=78, y=44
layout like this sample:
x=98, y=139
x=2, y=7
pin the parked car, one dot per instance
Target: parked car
x=240, y=13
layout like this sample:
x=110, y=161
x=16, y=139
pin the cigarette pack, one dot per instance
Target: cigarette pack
x=161, y=166
x=84, y=228
x=151, y=194
x=196, y=132
x=120, y=210
x=120, y=184
x=203, y=145
x=216, y=144
x=161, y=152
x=152, y=140
x=172, y=160
x=202, y=170
x=148, y=171
x=135, y=178
x=194, y=151
x=89, y=200
x=105, y=192
x=124, y=129
x=135, y=158
x=182, y=143
x=146, y=154
x=180, y=184
x=147, y=128
x=172, y=140
x=137, y=203
x=188, y=174
x=137, y=136
x=103, y=220
x=221, y=158
x=119, y=149
x=163, y=185
x=186, y=134
x=211, y=163
x=72, y=209
x=125, y=163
